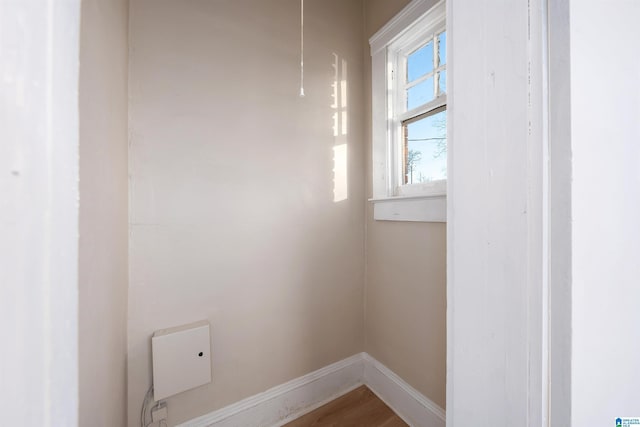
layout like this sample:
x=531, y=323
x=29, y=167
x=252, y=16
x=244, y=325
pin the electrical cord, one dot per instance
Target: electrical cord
x=143, y=411
x=157, y=406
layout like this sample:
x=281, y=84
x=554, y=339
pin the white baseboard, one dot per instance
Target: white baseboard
x=286, y=402
x=412, y=406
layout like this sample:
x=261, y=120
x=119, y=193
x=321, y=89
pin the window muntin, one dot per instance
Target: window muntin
x=419, y=137
x=423, y=70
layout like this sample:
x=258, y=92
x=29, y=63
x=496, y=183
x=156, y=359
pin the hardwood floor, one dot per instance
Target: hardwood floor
x=359, y=408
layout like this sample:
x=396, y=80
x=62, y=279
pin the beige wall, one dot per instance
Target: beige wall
x=233, y=216
x=405, y=307
x=102, y=271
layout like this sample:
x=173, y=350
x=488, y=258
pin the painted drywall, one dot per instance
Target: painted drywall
x=103, y=261
x=237, y=215
x=406, y=272
x=496, y=210
x=39, y=213
x=605, y=135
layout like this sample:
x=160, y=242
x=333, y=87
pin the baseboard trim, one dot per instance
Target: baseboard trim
x=410, y=405
x=286, y=402
x=291, y=400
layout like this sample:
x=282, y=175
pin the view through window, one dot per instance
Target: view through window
x=424, y=127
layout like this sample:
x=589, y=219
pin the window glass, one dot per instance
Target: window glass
x=442, y=82
x=420, y=94
x=425, y=149
x=442, y=48
x=420, y=62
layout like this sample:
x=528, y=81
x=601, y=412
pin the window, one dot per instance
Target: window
x=409, y=95
x=421, y=115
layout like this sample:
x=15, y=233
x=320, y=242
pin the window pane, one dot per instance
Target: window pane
x=442, y=83
x=420, y=94
x=442, y=48
x=420, y=62
x=425, y=149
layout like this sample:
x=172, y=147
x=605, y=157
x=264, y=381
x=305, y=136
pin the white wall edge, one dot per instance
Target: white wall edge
x=289, y=401
x=39, y=183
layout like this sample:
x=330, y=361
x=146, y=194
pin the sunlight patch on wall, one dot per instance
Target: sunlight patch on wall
x=340, y=129
x=340, y=173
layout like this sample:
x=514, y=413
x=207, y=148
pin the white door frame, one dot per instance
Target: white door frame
x=546, y=327
x=39, y=43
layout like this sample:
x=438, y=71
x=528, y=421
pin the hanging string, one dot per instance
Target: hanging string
x=301, y=48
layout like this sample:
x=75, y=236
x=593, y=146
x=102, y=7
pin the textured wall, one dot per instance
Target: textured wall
x=103, y=274
x=237, y=215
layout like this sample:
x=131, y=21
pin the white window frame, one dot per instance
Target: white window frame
x=389, y=47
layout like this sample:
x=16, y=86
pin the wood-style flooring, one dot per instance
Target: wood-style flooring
x=359, y=408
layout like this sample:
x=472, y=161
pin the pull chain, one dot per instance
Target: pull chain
x=301, y=48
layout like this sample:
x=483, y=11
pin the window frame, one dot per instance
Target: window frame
x=390, y=47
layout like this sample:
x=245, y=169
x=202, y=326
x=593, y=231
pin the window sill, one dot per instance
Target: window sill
x=422, y=208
